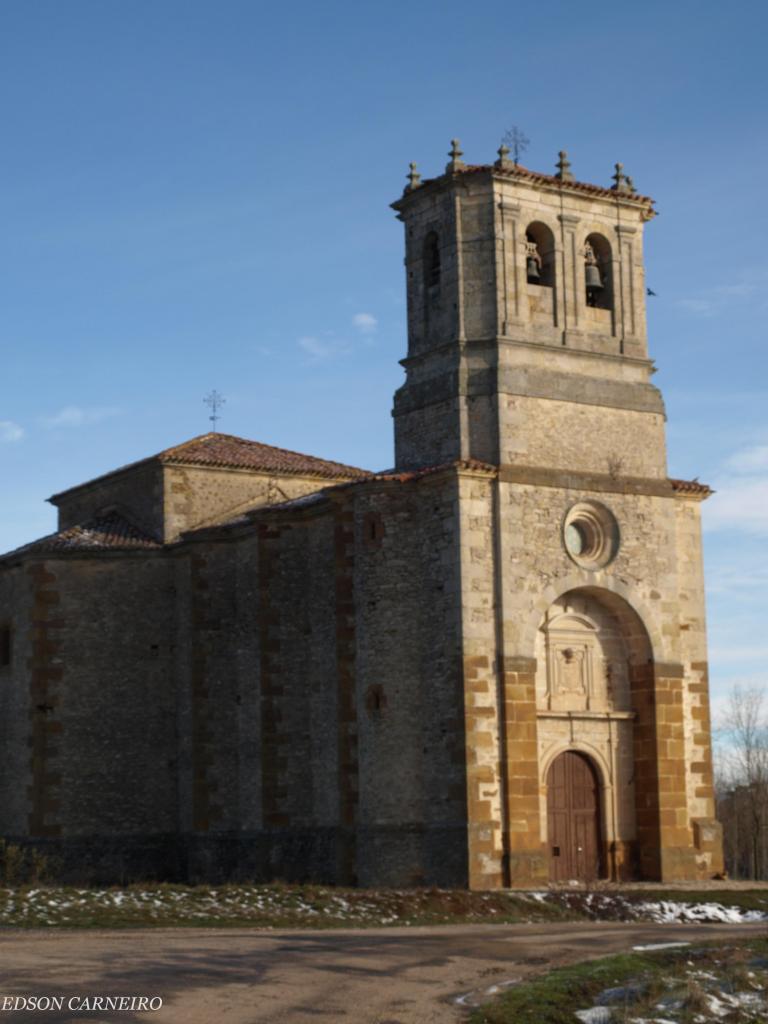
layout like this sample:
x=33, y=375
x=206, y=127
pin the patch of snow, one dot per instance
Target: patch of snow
x=666, y=911
x=660, y=945
x=718, y=1007
x=595, y=1015
x=500, y=986
x=464, y=1000
x=651, y=1020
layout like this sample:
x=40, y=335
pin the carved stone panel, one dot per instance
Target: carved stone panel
x=582, y=659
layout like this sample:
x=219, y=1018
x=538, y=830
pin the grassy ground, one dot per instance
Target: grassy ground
x=264, y=906
x=313, y=906
x=689, y=986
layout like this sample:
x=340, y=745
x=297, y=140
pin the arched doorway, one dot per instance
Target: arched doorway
x=573, y=819
x=595, y=693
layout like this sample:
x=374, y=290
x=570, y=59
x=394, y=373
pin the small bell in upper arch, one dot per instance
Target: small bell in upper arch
x=532, y=270
x=593, y=279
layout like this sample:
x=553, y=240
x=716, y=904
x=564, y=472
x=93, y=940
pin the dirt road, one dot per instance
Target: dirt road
x=372, y=976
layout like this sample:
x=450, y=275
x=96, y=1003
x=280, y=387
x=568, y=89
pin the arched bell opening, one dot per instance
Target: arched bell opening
x=431, y=261
x=595, y=697
x=431, y=271
x=539, y=255
x=598, y=278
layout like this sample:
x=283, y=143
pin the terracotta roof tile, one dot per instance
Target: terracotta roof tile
x=108, y=532
x=236, y=452
x=414, y=474
x=229, y=452
x=691, y=487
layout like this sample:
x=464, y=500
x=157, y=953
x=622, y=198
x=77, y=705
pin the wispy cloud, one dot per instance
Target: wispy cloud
x=10, y=431
x=737, y=577
x=316, y=349
x=740, y=652
x=719, y=299
x=699, y=307
x=750, y=460
x=741, y=498
x=76, y=416
x=329, y=345
x=740, y=503
x=322, y=349
x=366, y=323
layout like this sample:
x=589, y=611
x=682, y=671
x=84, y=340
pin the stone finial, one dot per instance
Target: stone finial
x=564, y=167
x=455, y=163
x=414, y=178
x=504, y=163
x=621, y=180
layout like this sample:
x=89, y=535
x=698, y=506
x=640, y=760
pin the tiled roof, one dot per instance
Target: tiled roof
x=414, y=474
x=107, y=532
x=691, y=487
x=543, y=179
x=228, y=451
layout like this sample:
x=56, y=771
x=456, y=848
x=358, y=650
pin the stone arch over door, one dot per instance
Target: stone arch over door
x=596, y=698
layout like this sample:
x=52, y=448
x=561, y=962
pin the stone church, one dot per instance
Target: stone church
x=483, y=667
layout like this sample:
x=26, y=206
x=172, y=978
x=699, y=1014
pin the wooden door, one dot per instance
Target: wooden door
x=573, y=819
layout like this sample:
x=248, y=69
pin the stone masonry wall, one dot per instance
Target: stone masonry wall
x=535, y=569
x=138, y=491
x=590, y=438
x=29, y=622
x=432, y=310
x=93, y=704
x=412, y=799
x=353, y=678
x=259, y=782
x=698, y=735
x=117, y=710
x=429, y=436
x=196, y=496
x=484, y=740
x=166, y=500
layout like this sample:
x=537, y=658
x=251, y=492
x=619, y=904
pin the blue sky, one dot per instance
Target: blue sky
x=195, y=195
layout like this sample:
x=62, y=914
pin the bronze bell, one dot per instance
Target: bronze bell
x=594, y=281
x=532, y=270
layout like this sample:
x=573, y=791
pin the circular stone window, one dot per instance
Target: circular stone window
x=590, y=535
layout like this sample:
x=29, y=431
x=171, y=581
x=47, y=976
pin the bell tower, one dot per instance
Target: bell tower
x=526, y=322
x=580, y=583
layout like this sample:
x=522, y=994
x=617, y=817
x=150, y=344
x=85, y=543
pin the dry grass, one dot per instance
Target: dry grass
x=679, y=986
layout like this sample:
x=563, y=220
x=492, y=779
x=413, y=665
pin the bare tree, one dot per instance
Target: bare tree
x=742, y=782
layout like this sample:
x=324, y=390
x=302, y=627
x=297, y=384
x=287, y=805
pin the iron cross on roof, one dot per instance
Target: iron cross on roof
x=517, y=142
x=214, y=401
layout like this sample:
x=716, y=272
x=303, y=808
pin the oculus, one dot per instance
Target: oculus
x=590, y=534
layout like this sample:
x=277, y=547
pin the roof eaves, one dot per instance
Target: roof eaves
x=691, y=489
x=524, y=174
x=107, y=534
